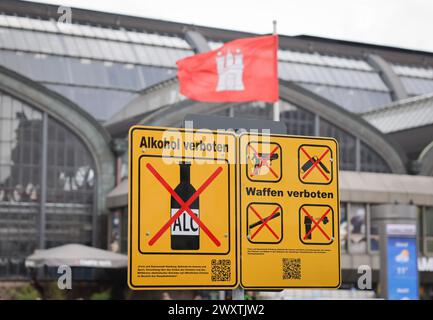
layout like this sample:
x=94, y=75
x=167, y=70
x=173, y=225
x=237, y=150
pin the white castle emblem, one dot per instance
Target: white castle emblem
x=230, y=69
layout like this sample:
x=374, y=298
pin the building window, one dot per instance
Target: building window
x=115, y=227
x=253, y=110
x=428, y=230
x=224, y=112
x=374, y=236
x=70, y=187
x=371, y=161
x=297, y=120
x=20, y=189
x=343, y=227
x=124, y=165
x=357, y=228
x=420, y=231
x=124, y=231
x=346, y=141
x=20, y=157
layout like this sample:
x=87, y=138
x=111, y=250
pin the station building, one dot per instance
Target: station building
x=70, y=91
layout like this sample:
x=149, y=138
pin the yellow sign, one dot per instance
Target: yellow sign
x=182, y=209
x=289, y=218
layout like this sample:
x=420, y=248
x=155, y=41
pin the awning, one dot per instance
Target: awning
x=414, y=112
x=118, y=197
x=76, y=255
x=366, y=187
x=369, y=187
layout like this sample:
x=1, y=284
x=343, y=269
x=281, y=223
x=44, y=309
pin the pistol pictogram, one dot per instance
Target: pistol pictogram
x=260, y=160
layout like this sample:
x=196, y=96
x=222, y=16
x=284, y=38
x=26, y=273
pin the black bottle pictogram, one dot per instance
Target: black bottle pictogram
x=185, y=232
x=307, y=223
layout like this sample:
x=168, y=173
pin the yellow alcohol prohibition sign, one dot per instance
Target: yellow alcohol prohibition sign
x=182, y=209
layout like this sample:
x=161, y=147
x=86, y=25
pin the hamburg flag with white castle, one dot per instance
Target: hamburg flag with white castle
x=241, y=70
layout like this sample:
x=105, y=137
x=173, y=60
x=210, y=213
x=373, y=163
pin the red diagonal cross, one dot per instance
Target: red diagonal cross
x=316, y=223
x=184, y=206
x=263, y=222
x=315, y=163
x=263, y=161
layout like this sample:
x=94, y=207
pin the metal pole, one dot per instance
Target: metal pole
x=43, y=198
x=238, y=294
x=316, y=125
x=276, y=106
x=357, y=154
x=276, y=109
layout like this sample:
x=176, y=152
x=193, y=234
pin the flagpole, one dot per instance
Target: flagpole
x=276, y=106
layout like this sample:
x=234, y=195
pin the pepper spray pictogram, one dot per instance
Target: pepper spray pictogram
x=308, y=222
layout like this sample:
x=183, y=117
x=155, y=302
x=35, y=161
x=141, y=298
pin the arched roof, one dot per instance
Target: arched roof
x=107, y=58
x=425, y=159
x=354, y=124
x=173, y=114
x=70, y=115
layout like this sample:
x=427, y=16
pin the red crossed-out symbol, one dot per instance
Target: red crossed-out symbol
x=184, y=206
x=264, y=222
x=315, y=163
x=263, y=161
x=316, y=223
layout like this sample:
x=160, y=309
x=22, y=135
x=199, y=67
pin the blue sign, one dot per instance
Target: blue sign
x=402, y=268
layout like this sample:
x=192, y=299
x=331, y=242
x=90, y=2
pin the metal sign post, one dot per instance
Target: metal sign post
x=237, y=125
x=238, y=294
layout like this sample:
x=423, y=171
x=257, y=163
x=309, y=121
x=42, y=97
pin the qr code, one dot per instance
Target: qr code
x=291, y=268
x=221, y=270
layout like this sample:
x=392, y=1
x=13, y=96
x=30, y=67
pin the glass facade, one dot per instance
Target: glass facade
x=416, y=80
x=349, y=82
x=20, y=189
x=82, y=46
x=428, y=230
x=371, y=161
x=347, y=144
x=253, y=110
x=102, y=104
x=119, y=231
x=344, y=235
x=339, y=77
x=354, y=100
x=374, y=237
x=357, y=228
x=70, y=186
x=298, y=121
x=101, y=88
x=99, y=69
x=355, y=220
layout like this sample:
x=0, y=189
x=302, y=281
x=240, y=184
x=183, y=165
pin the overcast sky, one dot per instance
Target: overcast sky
x=399, y=23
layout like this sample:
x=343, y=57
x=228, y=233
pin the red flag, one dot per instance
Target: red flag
x=241, y=70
